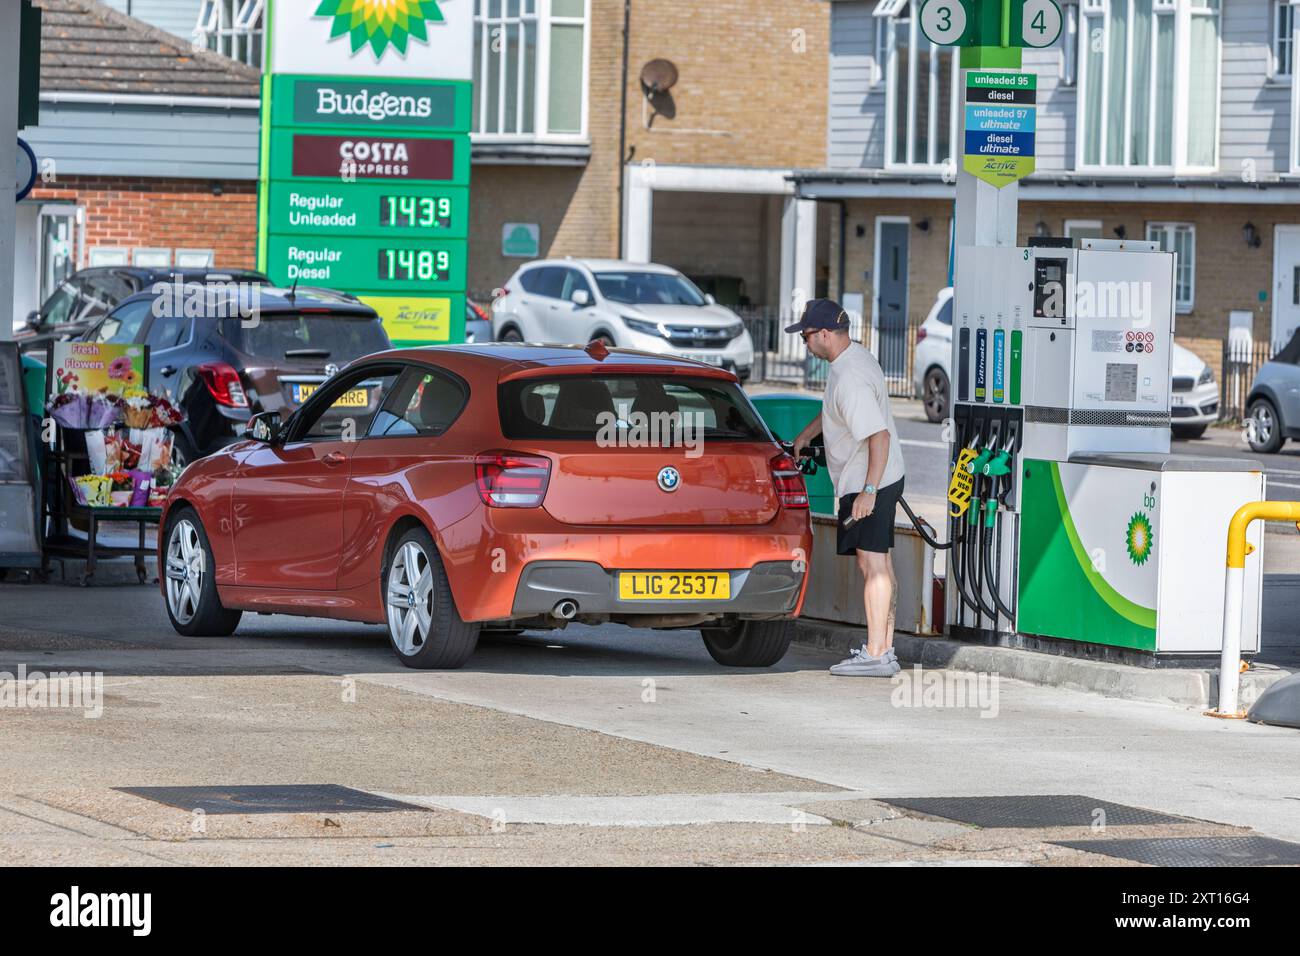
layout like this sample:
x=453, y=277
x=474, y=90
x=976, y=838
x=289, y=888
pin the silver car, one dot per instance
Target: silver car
x=1273, y=405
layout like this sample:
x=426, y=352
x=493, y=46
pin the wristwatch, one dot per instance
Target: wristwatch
x=870, y=489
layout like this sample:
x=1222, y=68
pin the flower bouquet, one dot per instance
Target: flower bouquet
x=94, y=490
x=89, y=413
x=123, y=487
x=149, y=417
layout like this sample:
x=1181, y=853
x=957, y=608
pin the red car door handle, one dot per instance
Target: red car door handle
x=334, y=458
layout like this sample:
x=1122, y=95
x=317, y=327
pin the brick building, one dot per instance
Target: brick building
x=1175, y=122
x=148, y=152
x=705, y=188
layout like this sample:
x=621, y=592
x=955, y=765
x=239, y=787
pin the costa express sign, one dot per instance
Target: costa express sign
x=373, y=157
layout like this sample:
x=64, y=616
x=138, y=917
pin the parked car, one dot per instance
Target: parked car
x=478, y=323
x=1273, y=402
x=1194, y=395
x=470, y=451
x=225, y=368
x=627, y=304
x=87, y=295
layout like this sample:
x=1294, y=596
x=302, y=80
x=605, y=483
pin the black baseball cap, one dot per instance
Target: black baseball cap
x=819, y=314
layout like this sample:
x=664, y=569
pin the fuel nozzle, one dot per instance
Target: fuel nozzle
x=976, y=467
x=998, y=465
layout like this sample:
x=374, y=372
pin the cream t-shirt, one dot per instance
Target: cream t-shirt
x=855, y=407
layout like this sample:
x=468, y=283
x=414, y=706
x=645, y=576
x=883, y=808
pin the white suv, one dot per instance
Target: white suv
x=633, y=305
x=1194, y=398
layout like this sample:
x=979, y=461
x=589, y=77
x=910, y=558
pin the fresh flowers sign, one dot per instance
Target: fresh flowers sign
x=88, y=367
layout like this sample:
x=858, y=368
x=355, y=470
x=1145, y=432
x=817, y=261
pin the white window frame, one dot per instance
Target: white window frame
x=1069, y=70
x=544, y=20
x=1182, y=12
x=1187, y=304
x=232, y=28
x=1276, y=39
x=1071, y=224
x=898, y=8
x=151, y=257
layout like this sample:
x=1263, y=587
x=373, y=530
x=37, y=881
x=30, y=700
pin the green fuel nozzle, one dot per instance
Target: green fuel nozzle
x=999, y=465
x=990, y=511
x=976, y=467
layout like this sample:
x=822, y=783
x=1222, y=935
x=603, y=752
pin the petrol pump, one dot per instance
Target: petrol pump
x=1069, y=519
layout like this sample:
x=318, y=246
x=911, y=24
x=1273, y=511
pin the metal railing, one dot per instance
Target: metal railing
x=1241, y=363
x=780, y=356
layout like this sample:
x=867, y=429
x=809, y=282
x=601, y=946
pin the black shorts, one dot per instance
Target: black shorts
x=874, y=532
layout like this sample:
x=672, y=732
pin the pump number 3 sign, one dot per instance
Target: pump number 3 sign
x=943, y=21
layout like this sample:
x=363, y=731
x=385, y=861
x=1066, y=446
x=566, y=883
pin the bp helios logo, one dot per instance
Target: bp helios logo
x=380, y=23
x=1138, y=539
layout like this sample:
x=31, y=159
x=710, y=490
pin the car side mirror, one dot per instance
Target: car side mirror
x=581, y=298
x=265, y=427
x=33, y=321
x=708, y=297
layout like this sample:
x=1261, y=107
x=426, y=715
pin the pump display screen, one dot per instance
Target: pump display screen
x=1049, y=288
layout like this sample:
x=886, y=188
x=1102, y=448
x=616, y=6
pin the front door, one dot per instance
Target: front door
x=1286, y=284
x=891, y=295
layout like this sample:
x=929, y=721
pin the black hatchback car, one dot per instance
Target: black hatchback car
x=225, y=367
x=89, y=294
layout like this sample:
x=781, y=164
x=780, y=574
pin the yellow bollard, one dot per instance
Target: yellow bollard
x=1230, y=659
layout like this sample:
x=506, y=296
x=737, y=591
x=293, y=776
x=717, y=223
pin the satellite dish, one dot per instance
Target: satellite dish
x=658, y=76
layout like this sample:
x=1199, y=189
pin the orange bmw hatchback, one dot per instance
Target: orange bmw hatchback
x=442, y=491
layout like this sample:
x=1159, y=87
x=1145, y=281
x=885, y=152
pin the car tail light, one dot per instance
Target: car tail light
x=920, y=333
x=790, y=490
x=223, y=382
x=507, y=480
x=500, y=293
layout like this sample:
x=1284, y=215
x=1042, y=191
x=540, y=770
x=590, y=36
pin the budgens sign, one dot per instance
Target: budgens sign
x=365, y=156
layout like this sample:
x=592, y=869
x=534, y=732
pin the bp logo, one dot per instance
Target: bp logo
x=380, y=22
x=1138, y=539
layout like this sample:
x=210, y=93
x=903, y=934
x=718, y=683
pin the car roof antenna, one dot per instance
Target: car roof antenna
x=293, y=289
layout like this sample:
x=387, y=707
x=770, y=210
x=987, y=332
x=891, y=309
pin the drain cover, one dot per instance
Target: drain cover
x=1196, y=851
x=1031, y=812
x=296, y=798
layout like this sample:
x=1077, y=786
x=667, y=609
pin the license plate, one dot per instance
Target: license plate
x=674, y=586
x=1177, y=400
x=352, y=398
x=708, y=358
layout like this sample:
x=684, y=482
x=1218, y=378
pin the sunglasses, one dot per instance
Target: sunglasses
x=808, y=333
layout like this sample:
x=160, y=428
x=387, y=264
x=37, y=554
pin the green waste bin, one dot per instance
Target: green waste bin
x=34, y=382
x=786, y=416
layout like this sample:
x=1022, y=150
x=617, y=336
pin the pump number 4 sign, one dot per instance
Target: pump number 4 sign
x=1039, y=22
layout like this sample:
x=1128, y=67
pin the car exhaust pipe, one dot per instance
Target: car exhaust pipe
x=565, y=610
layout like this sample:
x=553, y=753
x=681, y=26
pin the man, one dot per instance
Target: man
x=866, y=466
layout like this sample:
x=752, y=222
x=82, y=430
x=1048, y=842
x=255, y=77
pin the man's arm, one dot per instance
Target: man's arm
x=810, y=431
x=877, y=456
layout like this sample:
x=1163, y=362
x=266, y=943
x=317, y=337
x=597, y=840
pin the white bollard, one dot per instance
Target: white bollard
x=1230, y=657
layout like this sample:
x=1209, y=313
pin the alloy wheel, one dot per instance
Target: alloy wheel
x=410, y=598
x=184, y=570
x=935, y=395
x=1263, y=424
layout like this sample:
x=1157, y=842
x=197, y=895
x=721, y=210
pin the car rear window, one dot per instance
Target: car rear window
x=339, y=337
x=583, y=407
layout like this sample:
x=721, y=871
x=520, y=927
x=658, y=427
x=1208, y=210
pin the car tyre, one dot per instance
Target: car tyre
x=511, y=335
x=424, y=627
x=189, y=581
x=934, y=394
x=1265, y=436
x=1187, y=432
x=749, y=643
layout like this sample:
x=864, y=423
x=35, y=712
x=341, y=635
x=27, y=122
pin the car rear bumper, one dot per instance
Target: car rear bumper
x=768, y=589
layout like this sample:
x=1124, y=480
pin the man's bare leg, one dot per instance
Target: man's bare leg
x=879, y=594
